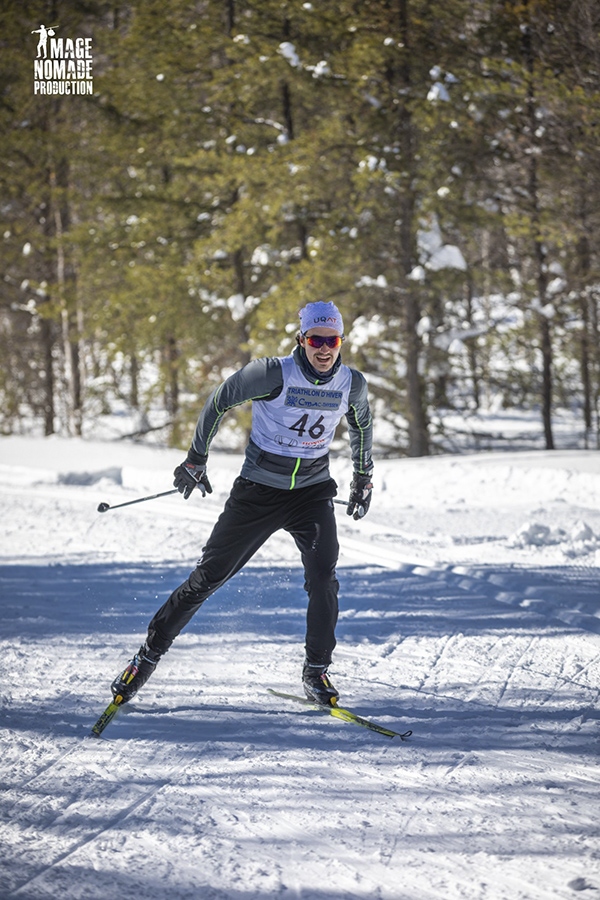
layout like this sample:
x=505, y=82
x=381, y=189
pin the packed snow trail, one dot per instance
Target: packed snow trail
x=207, y=786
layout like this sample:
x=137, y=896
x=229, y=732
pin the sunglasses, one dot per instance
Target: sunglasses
x=317, y=340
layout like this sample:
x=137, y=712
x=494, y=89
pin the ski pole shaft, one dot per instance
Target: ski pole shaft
x=103, y=507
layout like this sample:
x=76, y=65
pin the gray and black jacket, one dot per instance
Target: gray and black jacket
x=262, y=379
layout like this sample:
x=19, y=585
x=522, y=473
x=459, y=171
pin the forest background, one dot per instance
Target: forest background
x=433, y=168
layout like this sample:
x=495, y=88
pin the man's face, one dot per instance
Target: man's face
x=320, y=358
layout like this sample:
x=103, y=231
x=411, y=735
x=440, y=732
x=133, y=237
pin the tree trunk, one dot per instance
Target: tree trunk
x=65, y=277
x=134, y=391
x=171, y=361
x=595, y=345
x=286, y=101
x=539, y=253
x=47, y=338
x=240, y=281
x=229, y=17
x=418, y=437
x=472, y=349
x=583, y=270
x=546, y=348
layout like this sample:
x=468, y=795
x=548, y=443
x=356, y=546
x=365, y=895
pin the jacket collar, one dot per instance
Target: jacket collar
x=311, y=374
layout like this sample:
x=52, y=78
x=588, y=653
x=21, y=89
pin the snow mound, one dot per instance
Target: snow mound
x=578, y=540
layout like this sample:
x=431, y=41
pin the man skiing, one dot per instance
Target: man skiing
x=298, y=401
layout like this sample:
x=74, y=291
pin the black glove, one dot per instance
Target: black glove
x=360, y=496
x=188, y=476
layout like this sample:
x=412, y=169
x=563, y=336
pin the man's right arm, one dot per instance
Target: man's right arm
x=261, y=379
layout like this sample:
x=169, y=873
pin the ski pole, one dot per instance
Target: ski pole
x=103, y=507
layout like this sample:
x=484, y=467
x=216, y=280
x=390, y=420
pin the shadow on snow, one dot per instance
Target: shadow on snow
x=101, y=606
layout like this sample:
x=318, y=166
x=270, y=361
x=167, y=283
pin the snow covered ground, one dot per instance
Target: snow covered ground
x=470, y=614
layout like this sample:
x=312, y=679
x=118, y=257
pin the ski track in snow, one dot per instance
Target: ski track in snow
x=208, y=787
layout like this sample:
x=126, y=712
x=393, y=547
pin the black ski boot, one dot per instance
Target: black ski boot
x=317, y=685
x=127, y=684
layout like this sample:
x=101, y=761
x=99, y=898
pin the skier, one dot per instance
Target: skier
x=298, y=401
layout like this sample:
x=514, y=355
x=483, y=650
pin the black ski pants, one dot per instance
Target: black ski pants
x=252, y=513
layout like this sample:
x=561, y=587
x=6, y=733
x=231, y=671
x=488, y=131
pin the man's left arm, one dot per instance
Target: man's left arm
x=360, y=427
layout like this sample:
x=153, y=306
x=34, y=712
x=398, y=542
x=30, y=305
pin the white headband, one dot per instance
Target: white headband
x=321, y=314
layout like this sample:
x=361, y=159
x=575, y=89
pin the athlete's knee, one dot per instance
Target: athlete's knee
x=205, y=579
x=325, y=587
x=320, y=568
x=191, y=593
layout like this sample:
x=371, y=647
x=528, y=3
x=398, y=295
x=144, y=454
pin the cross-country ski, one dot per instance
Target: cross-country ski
x=345, y=715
